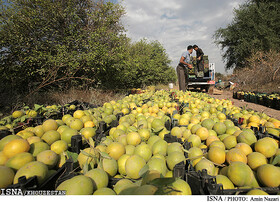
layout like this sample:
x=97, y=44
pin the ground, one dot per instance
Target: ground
x=227, y=94
x=240, y=103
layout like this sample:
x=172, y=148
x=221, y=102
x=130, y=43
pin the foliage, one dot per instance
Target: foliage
x=47, y=42
x=145, y=63
x=255, y=27
x=59, y=44
x=219, y=76
x=262, y=73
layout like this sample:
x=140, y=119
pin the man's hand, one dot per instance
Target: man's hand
x=199, y=58
x=190, y=66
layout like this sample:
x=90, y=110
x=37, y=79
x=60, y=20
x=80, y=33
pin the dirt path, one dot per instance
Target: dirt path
x=240, y=103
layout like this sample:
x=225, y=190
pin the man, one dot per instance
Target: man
x=199, y=58
x=182, y=68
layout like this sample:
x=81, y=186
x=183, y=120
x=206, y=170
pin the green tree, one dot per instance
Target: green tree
x=145, y=63
x=255, y=27
x=52, y=42
x=63, y=43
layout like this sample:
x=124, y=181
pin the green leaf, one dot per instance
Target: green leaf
x=162, y=181
x=276, y=160
x=72, y=155
x=105, y=155
x=144, y=171
x=85, y=167
x=91, y=142
x=37, y=107
x=23, y=118
x=157, y=131
x=86, y=154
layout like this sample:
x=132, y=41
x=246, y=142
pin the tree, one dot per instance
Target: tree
x=63, y=43
x=51, y=42
x=145, y=63
x=255, y=27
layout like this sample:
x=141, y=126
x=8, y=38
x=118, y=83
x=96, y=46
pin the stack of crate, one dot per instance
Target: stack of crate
x=193, y=70
x=206, y=63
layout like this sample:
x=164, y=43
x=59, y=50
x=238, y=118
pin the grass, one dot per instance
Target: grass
x=10, y=103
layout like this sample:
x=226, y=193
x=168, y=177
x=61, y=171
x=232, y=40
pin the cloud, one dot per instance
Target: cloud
x=178, y=23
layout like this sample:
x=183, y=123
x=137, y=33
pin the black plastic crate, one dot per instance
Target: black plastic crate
x=119, y=115
x=37, y=121
x=168, y=125
x=260, y=135
x=76, y=144
x=21, y=126
x=145, y=101
x=196, y=180
x=98, y=137
x=174, y=122
x=4, y=133
x=25, y=184
x=259, y=100
x=276, y=104
x=56, y=116
x=102, y=127
x=66, y=171
x=246, y=98
x=217, y=189
x=113, y=181
x=182, y=106
x=170, y=138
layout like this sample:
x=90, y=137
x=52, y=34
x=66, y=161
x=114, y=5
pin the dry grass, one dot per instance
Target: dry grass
x=93, y=96
x=262, y=75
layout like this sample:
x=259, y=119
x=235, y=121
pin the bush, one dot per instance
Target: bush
x=60, y=44
x=262, y=74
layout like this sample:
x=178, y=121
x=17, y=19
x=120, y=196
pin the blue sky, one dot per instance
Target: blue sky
x=179, y=23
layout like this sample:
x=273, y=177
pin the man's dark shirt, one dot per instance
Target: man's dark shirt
x=199, y=53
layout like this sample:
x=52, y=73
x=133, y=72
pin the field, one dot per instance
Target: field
x=163, y=142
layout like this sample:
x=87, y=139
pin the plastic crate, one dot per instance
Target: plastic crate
x=102, y=127
x=260, y=100
x=119, y=115
x=168, y=125
x=146, y=100
x=25, y=184
x=170, y=138
x=276, y=103
x=187, y=145
x=99, y=136
x=113, y=181
x=246, y=98
x=196, y=180
x=217, y=189
x=66, y=171
x=174, y=123
x=261, y=133
x=238, y=95
x=4, y=133
x=21, y=126
x=37, y=121
x=76, y=144
x=56, y=116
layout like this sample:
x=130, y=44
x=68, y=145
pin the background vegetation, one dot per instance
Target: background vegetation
x=59, y=44
x=255, y=28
